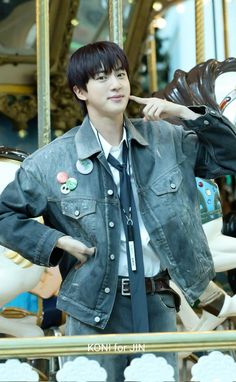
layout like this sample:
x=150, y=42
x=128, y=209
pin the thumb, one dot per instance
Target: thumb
x=90, y=251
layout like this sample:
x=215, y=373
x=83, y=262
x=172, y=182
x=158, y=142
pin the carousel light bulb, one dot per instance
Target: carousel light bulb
x=22, y=133
x=157, y=6
x=58, y=133
x=75, y=22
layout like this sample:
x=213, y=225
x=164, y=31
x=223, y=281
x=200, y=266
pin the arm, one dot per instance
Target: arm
x=22, y=200
x=156, y=108
x=214, y=138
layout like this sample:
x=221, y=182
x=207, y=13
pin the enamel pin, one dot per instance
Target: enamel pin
x=84, y=166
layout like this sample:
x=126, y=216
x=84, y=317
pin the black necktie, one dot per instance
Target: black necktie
x=133, y=244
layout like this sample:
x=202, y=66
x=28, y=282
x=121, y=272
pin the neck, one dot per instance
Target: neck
x=110, y=128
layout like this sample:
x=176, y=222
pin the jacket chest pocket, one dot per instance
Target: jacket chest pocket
x=168, y=191
x=82, y=216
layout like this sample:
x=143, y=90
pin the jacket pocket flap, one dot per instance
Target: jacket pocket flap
x=77, y=209
x=170, y=182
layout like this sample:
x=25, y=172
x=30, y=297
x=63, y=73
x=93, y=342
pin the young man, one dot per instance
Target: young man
x=115, y=232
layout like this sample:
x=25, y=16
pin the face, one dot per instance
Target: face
x=107, y=94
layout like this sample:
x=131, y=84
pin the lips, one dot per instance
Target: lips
x=116, y=97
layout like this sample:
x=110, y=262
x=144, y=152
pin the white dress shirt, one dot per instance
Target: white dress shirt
x=150, y=258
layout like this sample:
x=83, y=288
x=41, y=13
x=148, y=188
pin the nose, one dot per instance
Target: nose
x=114, y=80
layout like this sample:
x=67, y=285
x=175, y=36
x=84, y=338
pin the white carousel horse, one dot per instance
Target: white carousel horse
x=212, y=84
x=17, y=274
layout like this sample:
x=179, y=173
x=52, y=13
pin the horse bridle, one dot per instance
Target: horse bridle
x=230, y=97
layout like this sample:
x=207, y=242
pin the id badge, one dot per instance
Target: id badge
x=132, y=256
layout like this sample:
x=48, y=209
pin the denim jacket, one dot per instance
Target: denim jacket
x=165, y=160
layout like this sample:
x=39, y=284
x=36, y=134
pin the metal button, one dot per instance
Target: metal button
x=107, y=290
x=173, y=185
x=213, y=112
x=112, y=256
x=77, y=212
x=111, y=224
x=110, y=192
x=97, y=319
x=206, y=122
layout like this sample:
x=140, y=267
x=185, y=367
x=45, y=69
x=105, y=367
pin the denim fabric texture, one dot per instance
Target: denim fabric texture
x=165, y=159
x=161, y=312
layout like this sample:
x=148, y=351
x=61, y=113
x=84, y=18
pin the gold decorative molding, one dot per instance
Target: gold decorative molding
x=16, y=89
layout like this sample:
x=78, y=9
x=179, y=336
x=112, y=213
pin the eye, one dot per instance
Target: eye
x=121, y=74
x=101, y=77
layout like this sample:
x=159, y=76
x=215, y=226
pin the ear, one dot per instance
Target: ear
x=80, y=93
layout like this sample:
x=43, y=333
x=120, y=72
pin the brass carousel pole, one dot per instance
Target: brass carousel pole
x=116, y=22
x=226, y=29
x=199, y=31
x=151, y=59
x=43, y=74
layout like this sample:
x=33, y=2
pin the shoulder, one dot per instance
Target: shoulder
x=47, y=158
x=58, y=145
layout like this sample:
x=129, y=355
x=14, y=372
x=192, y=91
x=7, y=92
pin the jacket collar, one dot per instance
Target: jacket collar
x=88, y=145
x=133, y=133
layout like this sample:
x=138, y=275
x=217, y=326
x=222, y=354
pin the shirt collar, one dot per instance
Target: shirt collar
x=106, y=146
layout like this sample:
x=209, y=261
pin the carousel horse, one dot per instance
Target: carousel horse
x=17, y=274
x=213, y=84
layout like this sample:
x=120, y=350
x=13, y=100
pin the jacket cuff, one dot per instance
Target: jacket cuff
x=207, y=117
x=46, y=246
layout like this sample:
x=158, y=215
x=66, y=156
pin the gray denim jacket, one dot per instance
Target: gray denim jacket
x=165, y=160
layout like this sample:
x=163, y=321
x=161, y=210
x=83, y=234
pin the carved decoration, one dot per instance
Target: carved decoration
x=197, y=87
x=19, y=108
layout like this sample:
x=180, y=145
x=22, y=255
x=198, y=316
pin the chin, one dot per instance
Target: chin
x=119, y=108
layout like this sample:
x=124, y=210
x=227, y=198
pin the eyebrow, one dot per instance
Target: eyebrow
x=105, y=72
x=119, y=68
x=99, y=72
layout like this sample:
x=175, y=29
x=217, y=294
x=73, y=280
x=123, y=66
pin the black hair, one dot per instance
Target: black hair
x=88, y=60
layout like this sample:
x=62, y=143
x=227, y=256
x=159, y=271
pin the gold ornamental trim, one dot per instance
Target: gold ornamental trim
x=17, y=89
x=18, y=259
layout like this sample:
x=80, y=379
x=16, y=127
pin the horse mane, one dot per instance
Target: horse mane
x=197, y=87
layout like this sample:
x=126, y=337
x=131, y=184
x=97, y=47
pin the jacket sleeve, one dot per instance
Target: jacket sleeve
x=21, y=201
x=215, y=144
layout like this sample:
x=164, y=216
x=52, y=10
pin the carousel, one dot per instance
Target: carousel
x=181, y=51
